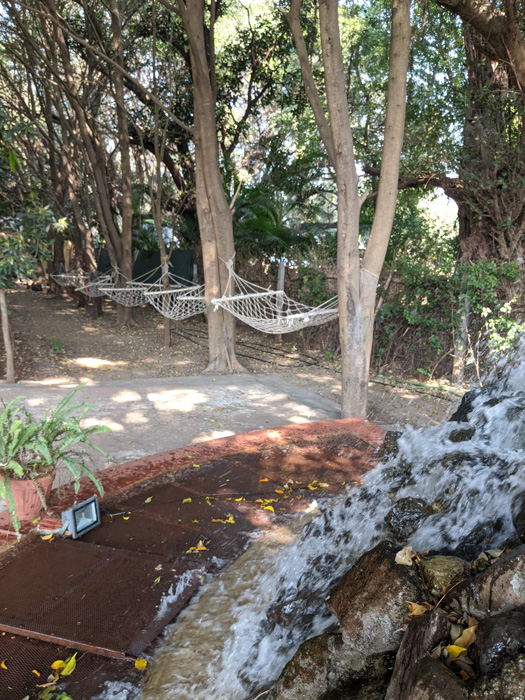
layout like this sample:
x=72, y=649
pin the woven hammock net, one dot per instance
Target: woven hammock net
x=133, y=294
x=73, y=278
x=271, y=311
x=92, y=286
x=181, y=300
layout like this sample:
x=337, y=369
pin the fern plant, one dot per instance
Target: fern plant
x=31, y=448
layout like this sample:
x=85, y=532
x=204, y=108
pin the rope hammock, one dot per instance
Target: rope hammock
x=271, y=311
x=75, y=278
x=92, y=287
x=181, y=300
x=133, y=294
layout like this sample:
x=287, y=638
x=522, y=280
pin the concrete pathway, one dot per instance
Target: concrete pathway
x=147, y=416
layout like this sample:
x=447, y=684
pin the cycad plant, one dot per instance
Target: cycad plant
x=31, y=448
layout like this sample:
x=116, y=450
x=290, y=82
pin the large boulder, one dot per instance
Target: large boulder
x=498, y=589
x=509, y=684
x=371, y=600
x=499, y=639
x=421, y=636
x=325, y=664
x=433, y=681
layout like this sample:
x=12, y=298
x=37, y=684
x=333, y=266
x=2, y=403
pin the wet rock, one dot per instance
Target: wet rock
x=498, y=589
x=518, y=515
x=325, y=667
x=432, y=681
x=421, y=636
x=462, y=435
x=405, y=516
x=441, y=571
x=390, y=447
x=298, y=612
x=481, y=537
x=463, y=411
x=371, y=600
x=499, y=639
x=509, y=684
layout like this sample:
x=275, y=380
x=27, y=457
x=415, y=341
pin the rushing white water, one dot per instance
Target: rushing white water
x=249, y=621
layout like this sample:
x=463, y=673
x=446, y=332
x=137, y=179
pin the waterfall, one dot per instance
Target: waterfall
x=461, y=478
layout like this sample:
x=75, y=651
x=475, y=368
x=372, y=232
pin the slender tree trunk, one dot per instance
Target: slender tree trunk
x=9, y=357
x=124, y=314
x=213, y=212
x=357, y=281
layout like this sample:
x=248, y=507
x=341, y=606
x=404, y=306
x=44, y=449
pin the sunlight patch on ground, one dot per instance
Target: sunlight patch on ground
x=176, y=400
x=96, y=362
x=211, y=436
x=115, y=427
x=126, y=396
x=136, y=418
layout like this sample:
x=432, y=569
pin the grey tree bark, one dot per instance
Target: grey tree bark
x=213, y=212
x=9, y=357
x=357, y=280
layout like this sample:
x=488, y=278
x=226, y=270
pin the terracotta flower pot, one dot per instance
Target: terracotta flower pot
x=27, y=501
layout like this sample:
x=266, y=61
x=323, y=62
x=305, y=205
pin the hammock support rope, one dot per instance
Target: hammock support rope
x=271, y=311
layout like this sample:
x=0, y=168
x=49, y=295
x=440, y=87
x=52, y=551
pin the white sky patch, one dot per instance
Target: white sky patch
x=440, y=208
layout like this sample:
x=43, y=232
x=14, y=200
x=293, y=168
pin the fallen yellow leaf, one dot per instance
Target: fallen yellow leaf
x=197, y=466
x=464, y=676
x=58, y=665
x=454, y=651
x=70, y=665
x=37, y=673
x=265, y=479
x=199, y=548
x=415, y=610
x=324, y=485
x=126, y=517
x=148, y=499
x=186, y=500
x=279, y=491
x=140, y=664
x=47, y=537
x=269, y=508
x=237, y=500
x=467, y=637
x=3, y=665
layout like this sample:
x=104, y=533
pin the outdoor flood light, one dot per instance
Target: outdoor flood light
x=81, y=518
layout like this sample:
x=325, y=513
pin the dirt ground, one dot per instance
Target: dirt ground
x=54, y=339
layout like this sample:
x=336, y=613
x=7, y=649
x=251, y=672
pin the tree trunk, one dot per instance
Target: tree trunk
x=213, y=212
x=9, y=358
x=357, y=283
x=124, y=314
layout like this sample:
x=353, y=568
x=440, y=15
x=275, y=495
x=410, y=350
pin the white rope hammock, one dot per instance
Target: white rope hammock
x=181, y=300
x=271, y=311
x=133, y=294
x=92, y=287
x=74, y=278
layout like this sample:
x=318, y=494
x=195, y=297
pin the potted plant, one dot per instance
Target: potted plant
x=31, y=449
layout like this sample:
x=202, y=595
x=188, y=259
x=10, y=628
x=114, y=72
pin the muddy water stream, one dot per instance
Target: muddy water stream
x=247, y=623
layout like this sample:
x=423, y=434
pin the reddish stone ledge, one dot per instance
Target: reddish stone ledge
x=122, y=477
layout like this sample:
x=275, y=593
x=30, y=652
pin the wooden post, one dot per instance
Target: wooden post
x=280, y=288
